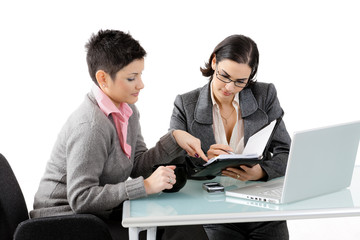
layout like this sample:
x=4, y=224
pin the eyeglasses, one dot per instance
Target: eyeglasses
x=238, y=83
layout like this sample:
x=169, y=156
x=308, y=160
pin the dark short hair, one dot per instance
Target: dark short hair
x=110, y=51
x=238, y=48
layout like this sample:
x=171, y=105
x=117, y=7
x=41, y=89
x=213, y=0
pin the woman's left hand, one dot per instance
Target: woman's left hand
x=245, y=173
x=189, y=143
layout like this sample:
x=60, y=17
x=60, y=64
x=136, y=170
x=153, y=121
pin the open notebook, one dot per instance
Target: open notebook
x=253, y=153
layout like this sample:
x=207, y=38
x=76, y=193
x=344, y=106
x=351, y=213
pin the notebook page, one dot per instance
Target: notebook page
x=257, y=142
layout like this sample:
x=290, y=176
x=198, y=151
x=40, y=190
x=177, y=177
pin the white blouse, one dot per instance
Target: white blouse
x=237, y=136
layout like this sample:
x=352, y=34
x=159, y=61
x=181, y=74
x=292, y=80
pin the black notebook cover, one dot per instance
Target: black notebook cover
x=215, y=168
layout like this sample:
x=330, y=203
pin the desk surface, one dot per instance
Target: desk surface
x=193, y=205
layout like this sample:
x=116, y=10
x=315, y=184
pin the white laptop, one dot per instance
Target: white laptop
x=320, y=161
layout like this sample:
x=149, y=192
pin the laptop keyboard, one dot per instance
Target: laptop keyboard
x=275, y=192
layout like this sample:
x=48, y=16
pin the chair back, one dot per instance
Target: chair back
x=13, y=208
x=67, y=227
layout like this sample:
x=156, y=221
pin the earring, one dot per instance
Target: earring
x=103, y=85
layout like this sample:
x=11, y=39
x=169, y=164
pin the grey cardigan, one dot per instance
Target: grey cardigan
x=259, y=106
x=89, y=173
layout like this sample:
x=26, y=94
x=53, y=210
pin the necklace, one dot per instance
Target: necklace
x=226, y=118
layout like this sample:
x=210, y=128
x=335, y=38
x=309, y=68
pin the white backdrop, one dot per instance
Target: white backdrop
x=308, y=49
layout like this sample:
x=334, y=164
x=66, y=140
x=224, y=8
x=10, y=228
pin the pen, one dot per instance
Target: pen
x=229, y=152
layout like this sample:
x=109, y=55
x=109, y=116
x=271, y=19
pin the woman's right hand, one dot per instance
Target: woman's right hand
x=162, y=178
x=189, y=143
x=218, y=149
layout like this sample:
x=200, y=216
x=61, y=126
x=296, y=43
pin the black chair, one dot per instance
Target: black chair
x=15, y=223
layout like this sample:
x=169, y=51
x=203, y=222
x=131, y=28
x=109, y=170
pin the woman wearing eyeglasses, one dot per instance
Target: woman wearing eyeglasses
x=224, y=113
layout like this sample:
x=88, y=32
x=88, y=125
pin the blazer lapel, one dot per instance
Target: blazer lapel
x=201, y=127
x=254, y=117
x=203, y=109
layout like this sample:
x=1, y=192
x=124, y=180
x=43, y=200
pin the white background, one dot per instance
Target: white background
x=309, y=49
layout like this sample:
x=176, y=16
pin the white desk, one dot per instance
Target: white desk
x=192, y=205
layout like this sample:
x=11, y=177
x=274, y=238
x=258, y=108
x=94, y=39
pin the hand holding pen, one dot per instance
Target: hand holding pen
x=218, y=149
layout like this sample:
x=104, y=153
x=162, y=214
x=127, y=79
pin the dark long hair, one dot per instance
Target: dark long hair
x=238, y=48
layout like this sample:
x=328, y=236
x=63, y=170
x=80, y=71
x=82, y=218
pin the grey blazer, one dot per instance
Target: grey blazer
x=259, y=106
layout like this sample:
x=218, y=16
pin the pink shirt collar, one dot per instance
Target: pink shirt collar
x=120, y=116
x=108, y=107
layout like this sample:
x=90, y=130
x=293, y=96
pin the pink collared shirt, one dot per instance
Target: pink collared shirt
x=120, y=116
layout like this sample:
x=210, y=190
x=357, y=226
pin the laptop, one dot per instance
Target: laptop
x=342, y=199
x=320, y=161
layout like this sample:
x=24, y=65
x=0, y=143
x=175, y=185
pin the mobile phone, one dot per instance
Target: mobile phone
x=213, y=187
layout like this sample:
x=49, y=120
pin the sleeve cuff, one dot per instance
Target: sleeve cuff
x=135, y=188
x=169, y=144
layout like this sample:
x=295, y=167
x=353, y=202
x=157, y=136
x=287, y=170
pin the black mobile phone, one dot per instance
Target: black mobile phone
x=213, y=187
